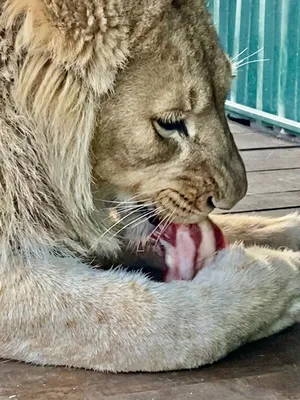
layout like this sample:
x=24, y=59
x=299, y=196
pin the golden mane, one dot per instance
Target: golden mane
x=65, y=70
x=59, y=57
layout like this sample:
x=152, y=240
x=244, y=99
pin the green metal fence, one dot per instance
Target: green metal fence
x=267, y=91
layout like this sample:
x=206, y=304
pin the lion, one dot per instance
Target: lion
x=123, y=101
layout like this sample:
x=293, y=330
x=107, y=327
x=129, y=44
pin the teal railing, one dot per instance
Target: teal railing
x=267, y=87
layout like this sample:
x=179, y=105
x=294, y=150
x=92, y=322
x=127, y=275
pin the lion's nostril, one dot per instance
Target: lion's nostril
x=210, y=203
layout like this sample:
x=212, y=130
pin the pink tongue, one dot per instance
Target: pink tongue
x=188, y=248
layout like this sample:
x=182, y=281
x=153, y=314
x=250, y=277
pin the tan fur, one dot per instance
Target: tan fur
x=81, y=82
x=261, y=231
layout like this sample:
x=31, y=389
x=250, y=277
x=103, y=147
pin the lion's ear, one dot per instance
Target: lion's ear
x=88, y=36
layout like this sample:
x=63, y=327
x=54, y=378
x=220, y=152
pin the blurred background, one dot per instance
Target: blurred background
x=262, y=37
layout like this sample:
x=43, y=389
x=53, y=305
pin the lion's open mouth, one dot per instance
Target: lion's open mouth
x=186, y=248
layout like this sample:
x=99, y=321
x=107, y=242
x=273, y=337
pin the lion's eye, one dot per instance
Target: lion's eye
x=167, y=128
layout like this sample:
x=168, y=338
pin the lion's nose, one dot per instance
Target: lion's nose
x=231, y=197
x=234, y=187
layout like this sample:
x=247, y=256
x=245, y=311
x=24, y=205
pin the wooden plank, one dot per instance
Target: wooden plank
x=253, y=140
x=267, y=369
x=278, y=386
x=247, y=138
x=273, y=181
x=271, y=159
x=280, y=212
x=275, y=213
x=268, y=201
x=239, y=128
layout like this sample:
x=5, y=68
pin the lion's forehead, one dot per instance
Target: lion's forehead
x=185, y=42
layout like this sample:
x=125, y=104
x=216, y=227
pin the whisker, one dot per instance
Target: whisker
x=149, y=193
x=163, y=221
x=237, y=56
x=130, y=199
x=128, y=210
x=251, y=62
x=167, y=223
x=142, y=240
x=122, y=219
x=142, y=218
x=156, y=228
x=246, y=58
x=138, y=248
x=128, y=207
x=122, y=202
x=119, y=202
x=156, y=212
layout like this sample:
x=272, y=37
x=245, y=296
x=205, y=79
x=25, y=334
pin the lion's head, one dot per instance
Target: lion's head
x=127, y=94
x=162, y=135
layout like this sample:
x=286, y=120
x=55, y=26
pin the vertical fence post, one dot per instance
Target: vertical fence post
x=271, y=88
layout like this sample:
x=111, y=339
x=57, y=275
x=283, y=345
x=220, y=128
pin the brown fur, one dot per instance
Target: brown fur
x=82, y=82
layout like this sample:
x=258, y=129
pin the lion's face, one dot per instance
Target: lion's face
x=162, y=136
x=122, y=97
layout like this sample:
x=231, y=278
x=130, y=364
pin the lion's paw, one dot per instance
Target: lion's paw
x=289, y=230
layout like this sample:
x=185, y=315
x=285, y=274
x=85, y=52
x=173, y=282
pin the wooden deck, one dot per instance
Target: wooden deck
x=268, y=370
x=273, y=167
